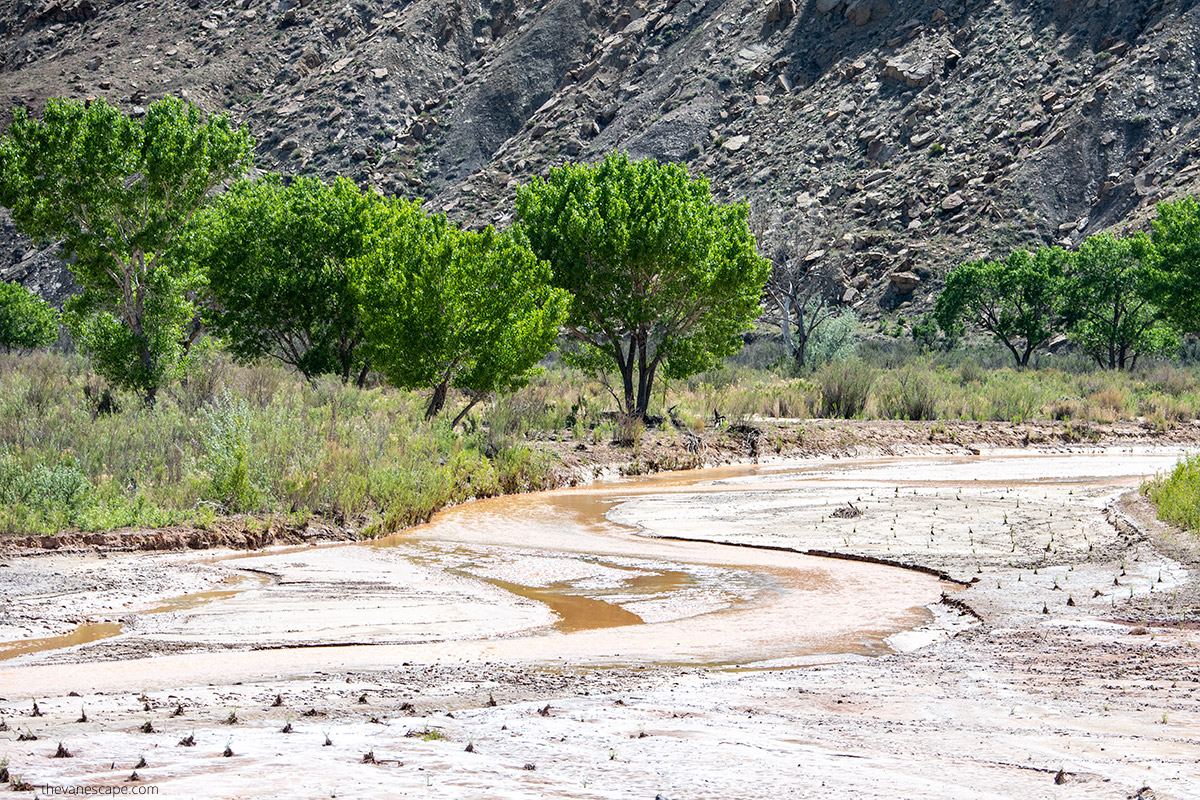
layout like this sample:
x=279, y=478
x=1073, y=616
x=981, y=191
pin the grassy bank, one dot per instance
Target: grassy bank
x=260, y=440
x=1177, y=494
x=1162, y=395
x=234, y=439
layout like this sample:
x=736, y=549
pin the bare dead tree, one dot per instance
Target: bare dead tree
x=802, y=294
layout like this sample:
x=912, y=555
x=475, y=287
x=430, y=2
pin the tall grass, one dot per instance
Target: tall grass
x=262, y=441
x=1177, y=494
x=233, y=439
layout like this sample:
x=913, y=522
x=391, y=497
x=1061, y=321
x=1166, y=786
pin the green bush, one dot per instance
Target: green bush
x=1013, y=400
x=26, y=320
x=268, y=443
x=1177, y=494
x=845, y=388
x=908, y=393
x=833, y=341
x=225, y=455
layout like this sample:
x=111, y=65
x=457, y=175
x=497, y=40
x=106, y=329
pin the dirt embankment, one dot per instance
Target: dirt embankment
x=661, y=450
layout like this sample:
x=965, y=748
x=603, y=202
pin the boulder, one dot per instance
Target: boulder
x=781, y=10
x=735, y=143
x=904, y=282
x=860, y=12
x=911, y=69
x=953, y=202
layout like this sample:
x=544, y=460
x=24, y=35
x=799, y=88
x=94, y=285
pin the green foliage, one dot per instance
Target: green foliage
x=1017, y=300
x=26, y=320
x=1177, y=494
x=1175, y=278
x=1105, y=306
x=443, y=307
x=832, y=341
x=662, y=276
x=845, y=388
x=276, y=257
x=116, y=191
x=224, y=439
x=45, y=489
x=265, y=442
x=907, y=393
x=929, y=336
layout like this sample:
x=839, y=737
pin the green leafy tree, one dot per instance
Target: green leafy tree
x=276, y=257
x=1017, y=300
x=26, y=320
x=1175, y=277
x=663, y=278
x=116, y=191
x=443, y=307
x=1105, y=306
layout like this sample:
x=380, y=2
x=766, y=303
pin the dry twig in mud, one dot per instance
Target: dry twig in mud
x=848, y=511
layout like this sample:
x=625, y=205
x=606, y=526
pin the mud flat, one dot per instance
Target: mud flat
x=616, y=641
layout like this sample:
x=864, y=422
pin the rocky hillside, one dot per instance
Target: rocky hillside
x=879, y=143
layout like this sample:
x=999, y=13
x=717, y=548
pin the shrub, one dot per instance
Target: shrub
x=908, y=393
x=1107, y=405
x=26, y=320
x=845, y=388
x=1177, y=494
x=225, y=444
x=1013, y=400
x=833, y=341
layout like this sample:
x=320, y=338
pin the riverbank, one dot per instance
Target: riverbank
x=1078, y=678
x=664, y=449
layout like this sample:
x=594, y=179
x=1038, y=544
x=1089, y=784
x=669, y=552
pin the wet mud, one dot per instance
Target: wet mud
x=562, y=645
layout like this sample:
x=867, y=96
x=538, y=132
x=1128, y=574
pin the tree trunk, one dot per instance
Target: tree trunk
x=437, y=401
x=463, y=413
x=362, y=376
x=150, y=394
x=626, y=368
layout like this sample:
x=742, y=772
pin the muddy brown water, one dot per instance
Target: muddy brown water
x=89, y=632
x=707, y=603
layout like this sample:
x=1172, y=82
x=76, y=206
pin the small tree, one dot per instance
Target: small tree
x=26, y=320
x=1016, y=300
x=276, y=257
x=1174, y=283
x=116, y=190
x=663, y=278
x=1105, y=306
x=442, y=307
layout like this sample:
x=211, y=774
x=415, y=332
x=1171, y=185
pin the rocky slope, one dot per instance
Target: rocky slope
x=878, y=143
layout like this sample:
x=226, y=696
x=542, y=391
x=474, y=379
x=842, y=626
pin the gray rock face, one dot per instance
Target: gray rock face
x=898, y=137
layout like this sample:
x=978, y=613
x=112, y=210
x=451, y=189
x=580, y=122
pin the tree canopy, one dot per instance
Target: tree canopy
x=1175, y=277
x=1105, y=305
x=275, y=258
x=116, y=191
x=1017, y=299
x=663, y=278
x=443, y=307
x=26, y=320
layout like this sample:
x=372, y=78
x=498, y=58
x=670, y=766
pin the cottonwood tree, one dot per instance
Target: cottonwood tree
x=275, y=258
x=26, y=320
x=443, y=308
x=1017, y=299
x=1105, y=301
x=1175, y=276
x=664, y=279
x=116, y=191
